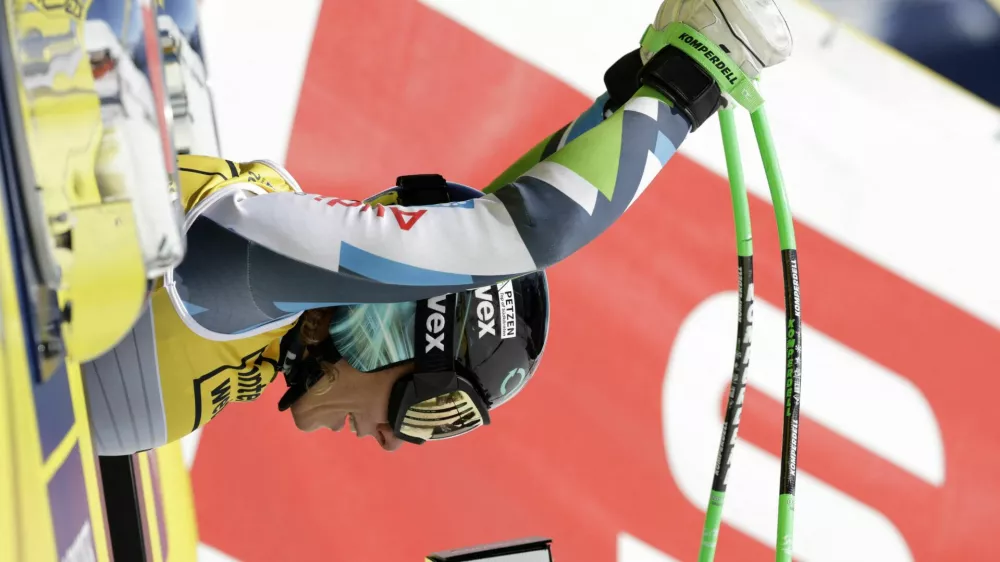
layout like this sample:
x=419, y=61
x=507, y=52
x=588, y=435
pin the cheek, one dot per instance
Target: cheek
x=369, y=424
x=378, y=406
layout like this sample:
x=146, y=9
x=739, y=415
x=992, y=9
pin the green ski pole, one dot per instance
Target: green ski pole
x=793, y=335
x=744, y=250
x=743, y=90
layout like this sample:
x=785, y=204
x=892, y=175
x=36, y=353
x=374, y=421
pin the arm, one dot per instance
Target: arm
x=255, y=260
x=593, y=116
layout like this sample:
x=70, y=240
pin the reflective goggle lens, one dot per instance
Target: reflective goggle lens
x=443, y=417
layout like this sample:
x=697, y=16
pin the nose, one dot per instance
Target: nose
x=387, y=439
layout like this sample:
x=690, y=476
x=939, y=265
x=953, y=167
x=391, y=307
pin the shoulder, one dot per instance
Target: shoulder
x=200, y=176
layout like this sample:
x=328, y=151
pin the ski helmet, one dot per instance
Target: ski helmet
x=472, y=351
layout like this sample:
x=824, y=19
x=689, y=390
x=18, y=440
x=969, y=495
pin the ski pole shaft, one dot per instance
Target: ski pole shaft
x=744, y=245
x=793, y=335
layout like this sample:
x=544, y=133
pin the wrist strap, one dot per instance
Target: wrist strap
x=730, y=78
x=694, y=92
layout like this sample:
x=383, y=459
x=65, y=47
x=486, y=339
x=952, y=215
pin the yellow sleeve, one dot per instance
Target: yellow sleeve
x=200, y=176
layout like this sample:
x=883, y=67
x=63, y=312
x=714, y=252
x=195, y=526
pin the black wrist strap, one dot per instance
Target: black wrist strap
x=622, y=80
x=692, y=89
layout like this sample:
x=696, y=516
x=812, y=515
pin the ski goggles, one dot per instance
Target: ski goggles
x=431, y=406
x=440, y=398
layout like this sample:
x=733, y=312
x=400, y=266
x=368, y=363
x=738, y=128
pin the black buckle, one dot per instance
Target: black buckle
x=692, y=89
x=422, y=189
x=622, y=80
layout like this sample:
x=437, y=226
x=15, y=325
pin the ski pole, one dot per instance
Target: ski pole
x=744, y=332
x=742, y=90
x=793, y=334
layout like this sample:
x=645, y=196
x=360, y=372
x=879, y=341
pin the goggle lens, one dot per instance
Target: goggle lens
x=442, y=417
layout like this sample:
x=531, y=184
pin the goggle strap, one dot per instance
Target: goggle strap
x=432, y=385
x=435, y=334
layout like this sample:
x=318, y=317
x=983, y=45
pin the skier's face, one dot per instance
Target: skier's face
x=344, y=396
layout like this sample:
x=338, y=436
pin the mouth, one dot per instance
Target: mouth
x=352, y=423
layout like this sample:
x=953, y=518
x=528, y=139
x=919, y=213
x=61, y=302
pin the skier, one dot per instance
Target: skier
x=413, y=314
